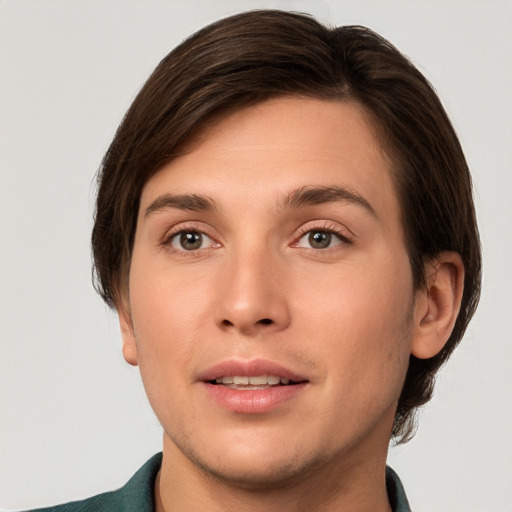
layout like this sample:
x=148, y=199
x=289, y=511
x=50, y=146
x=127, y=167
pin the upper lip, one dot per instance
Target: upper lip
x=249, y=368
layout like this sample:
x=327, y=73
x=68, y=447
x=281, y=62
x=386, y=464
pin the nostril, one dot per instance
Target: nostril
x=229, y=324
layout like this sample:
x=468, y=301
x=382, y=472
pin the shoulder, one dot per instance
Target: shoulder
x=137, y=495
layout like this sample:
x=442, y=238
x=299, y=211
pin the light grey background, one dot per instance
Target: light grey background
x=73, y=416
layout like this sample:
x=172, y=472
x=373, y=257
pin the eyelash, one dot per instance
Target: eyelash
x=323, y=227
x=188, y=228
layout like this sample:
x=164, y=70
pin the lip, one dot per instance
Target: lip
x=252, y=401
x=249, y=368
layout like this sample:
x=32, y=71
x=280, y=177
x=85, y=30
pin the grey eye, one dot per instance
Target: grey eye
x=319, y=239
x=190, y=241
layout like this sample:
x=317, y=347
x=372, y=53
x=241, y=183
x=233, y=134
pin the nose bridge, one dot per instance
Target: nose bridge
x=251, y=297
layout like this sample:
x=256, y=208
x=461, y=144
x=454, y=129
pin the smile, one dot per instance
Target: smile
x=255, y=382
x=255, y=386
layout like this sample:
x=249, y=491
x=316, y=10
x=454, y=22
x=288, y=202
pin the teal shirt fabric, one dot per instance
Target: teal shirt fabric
x=396, y=492
x=138, y=494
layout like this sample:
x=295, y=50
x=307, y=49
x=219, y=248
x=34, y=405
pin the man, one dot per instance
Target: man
x=286, y=229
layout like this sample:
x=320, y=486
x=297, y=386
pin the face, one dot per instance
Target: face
x=270, y=294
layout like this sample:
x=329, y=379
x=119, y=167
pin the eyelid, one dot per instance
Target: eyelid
x=178, y=235
x=189, y=226
x=328, y=226
x=341, y=232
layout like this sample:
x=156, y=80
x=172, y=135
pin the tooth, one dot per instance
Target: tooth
x=258, y=381
x=273, y=380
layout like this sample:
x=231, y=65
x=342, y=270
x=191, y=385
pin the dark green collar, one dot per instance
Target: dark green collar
x=396, y=492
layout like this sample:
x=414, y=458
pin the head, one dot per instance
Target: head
x=247, y=59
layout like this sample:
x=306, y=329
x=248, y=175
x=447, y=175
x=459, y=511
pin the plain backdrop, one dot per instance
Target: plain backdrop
x=73, y=415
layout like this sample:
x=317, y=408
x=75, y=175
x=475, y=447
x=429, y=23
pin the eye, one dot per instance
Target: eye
x=320, y=239
x=190, y=241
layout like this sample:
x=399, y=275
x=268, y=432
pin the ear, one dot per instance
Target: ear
x=127, y=334
x=437, y=305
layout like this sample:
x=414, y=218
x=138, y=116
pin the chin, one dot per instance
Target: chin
x=266, y=476
x=255, y=469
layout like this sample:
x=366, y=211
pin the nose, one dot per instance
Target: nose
x=251, y=297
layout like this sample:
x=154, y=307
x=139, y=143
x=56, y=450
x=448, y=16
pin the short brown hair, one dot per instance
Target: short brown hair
x=257, y=55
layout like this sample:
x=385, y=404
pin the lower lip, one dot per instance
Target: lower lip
x=253, y=401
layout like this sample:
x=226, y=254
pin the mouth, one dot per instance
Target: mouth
x=245, y=382
x=244, y=374
x=252, y=386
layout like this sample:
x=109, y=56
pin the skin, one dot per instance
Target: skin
x=345, y=315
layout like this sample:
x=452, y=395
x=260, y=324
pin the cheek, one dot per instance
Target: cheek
x=167, y=305
x=360, y=325
x=167, y=312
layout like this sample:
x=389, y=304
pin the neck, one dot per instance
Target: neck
x=354, y=483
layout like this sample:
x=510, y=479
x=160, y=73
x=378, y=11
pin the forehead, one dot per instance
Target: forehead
x=267, y=150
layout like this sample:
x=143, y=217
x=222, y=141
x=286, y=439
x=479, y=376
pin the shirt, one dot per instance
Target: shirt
x=138, y=494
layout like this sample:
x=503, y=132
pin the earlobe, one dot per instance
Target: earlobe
x=129, y=346
x=437, y=305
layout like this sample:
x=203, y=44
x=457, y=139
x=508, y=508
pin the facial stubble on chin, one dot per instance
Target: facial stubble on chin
x=277, y=476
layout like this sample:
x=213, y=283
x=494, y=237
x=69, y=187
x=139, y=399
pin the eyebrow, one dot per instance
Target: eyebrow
x=306, y=196
x=191, y=202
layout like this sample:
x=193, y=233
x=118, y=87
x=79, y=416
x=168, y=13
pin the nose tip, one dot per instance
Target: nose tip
x=251, y=300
